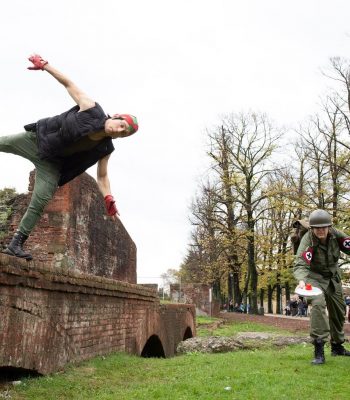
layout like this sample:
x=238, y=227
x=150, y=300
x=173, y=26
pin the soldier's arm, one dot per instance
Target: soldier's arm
x=343, y=241
x=301, y=265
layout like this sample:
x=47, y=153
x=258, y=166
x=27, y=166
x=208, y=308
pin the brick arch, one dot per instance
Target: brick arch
x=52, y=316
x=153, y=348
x=14, y=373
x=188, y=333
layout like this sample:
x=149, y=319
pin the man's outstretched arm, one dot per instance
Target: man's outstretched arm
x=105, y=188
x=84, y=102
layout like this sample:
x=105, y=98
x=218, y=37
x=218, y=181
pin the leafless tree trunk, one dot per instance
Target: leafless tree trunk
x=229, y=213
x=251, y=141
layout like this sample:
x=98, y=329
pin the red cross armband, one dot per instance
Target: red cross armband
x=344, y=243
x=307, y=255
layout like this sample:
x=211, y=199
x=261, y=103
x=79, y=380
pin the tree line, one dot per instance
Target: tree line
x=262, y=179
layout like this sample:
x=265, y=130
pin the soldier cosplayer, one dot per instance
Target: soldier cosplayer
x=62, y=147
x=317, y=263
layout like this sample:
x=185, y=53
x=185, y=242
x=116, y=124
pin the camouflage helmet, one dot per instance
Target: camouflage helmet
x=320, y=219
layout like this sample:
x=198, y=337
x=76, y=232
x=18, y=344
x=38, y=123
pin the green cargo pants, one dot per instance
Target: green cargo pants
x=46, y=176
x=333, y=323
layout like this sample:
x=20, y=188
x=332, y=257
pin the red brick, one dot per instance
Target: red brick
x=75, y=233
x=43, y=326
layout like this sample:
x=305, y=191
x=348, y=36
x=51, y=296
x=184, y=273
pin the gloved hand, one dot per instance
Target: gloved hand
x=38, y=62
x=110, y=205
x=301, y=285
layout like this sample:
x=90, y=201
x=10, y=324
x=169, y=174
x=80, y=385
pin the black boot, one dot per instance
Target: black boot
x=15, y=247
x=319, y=352
x=339, y=350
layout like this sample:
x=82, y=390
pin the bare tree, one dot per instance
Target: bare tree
x=327, y=159
x=251, y=140
x=204, y=260
x=228, y=209
x=340, y=73
x=313, y=173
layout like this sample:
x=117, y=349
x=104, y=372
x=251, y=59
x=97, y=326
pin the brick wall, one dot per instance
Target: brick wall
x=197, y=294
x=78, y=299
x=51, y=316
x=75, y=232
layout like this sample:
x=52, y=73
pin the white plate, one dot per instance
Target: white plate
x=315, y=291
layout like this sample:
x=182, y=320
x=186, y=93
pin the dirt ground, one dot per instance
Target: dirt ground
x=293, y=324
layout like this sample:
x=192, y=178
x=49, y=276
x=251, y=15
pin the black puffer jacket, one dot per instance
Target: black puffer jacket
x=76, y=164
x=56, y=133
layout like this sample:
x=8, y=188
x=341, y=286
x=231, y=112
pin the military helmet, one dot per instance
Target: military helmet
x=320, y=219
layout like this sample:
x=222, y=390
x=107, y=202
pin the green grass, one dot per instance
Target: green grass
x=231, y=329
x=205, y=320
x=282, y=374
x=261, y=374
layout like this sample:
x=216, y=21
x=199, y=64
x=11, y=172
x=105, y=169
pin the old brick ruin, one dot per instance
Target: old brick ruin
x=198, y=294
x=75, y=232
x=79, y=297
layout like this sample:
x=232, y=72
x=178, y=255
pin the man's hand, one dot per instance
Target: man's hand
x=110, y=206
x=301, y=285
x=38, y=62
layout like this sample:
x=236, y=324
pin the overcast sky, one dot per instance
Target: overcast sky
x=178, y=66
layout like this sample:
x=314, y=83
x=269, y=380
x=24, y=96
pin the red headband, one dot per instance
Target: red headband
x=130, y=119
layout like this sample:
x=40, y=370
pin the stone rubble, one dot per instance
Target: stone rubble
x=241, y=341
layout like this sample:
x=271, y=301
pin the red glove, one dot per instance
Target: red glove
x=38, y=62
x=110, y=205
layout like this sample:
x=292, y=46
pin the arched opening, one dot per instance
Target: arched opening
x=10, y=374
x=188, y=333
x=153, y=348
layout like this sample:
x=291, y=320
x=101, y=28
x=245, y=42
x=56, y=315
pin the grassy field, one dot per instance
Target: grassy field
x=261, y=374
x=203, y=328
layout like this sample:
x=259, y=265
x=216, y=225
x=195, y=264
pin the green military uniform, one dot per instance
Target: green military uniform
x=317, y=264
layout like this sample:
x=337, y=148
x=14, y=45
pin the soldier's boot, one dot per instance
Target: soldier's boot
x=319, y=352
x=15, y=248
x=337, y=349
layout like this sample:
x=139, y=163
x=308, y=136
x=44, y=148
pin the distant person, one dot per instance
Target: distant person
x=61, y=148
x=317, y=263
x=347, y=303
x=347, y=300
x=306, y=307
x=230, y=305
x=300, y=307
x=287, y=310
x=293, y=306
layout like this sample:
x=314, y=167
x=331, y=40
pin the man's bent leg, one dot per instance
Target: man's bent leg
x=319, y=327
x=336, y=308
x=22, y=144
x=319, y=323
x=46, y=179
x=15, y=247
